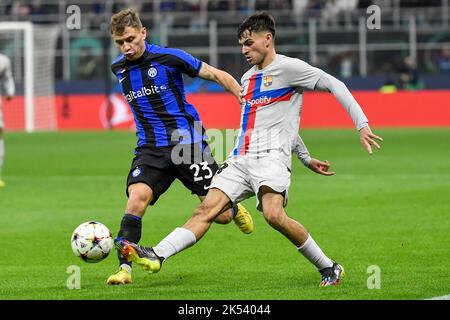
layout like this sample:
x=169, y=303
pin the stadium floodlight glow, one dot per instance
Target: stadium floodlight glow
x=27, y=28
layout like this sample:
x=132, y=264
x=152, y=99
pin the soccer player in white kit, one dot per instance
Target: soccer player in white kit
x=261, y=160
x=7, y=88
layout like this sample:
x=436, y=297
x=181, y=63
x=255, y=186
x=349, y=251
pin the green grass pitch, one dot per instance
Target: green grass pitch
x=390, y=210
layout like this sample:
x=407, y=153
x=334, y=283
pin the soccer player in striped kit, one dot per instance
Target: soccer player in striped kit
x=7, y=88
x=260, y=163
x=171, y=139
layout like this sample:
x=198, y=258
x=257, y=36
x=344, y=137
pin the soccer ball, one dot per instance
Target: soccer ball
x=92, y=241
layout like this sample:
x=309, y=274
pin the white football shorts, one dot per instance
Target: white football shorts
x=241, y=177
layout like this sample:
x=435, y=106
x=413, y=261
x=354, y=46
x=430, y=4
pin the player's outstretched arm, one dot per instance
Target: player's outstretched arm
x=223, y=78
x=368, y=139
x=321, y=167
x=329, y=83
x=301, y=151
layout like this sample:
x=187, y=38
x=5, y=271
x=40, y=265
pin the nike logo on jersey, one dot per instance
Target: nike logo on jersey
x=121, y=79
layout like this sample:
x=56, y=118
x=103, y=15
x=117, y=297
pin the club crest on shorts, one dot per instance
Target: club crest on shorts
x=152, y=72
x=267, y=80
x=136, y=172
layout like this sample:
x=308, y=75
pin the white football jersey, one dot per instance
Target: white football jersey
x=271, y=115
x=6, y=80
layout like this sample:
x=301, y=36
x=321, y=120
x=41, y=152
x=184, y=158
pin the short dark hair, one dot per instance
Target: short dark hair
x=123, y=19
x=260, y=21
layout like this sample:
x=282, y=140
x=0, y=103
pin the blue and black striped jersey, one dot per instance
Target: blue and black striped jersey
x=153, y=87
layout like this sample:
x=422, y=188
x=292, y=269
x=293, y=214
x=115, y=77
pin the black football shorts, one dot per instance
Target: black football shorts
x=158, y=167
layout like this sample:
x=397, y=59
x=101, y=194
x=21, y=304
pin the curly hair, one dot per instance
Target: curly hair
x=260, y=21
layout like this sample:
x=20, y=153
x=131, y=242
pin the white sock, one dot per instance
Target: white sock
x=314, y=254
x=2, y=155
x=126, y=267
x=178, y=240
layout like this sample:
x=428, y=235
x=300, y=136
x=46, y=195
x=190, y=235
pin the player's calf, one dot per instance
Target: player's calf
x=225, y=217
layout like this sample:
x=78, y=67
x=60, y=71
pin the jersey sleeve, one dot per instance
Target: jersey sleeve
x=301, y=151
x=330, y=84
x=301, y=74
x=118, y=64
x=113, y=70
x=185, y=63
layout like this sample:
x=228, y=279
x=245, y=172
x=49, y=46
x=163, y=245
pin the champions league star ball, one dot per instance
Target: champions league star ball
x=92, y=241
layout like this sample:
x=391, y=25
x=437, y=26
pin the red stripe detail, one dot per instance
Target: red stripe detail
x=251, y=116
x=286, y=97
x=251, y=88
x=251, y=120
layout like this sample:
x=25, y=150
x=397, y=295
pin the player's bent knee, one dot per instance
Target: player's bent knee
x=140, y=195
x=275, y=216
x=224, y=218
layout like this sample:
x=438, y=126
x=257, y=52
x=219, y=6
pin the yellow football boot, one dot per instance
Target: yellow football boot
x=243, y=219
x=122, y=276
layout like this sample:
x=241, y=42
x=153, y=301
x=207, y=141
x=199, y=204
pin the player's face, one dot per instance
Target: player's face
x=255, y=46
x=131, y=42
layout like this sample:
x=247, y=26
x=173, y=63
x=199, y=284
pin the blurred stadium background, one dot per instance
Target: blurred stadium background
x=389, y=210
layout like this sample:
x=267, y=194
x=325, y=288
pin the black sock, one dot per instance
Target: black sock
x=130, y=229
x=234, y=210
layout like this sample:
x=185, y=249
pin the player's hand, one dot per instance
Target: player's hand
x=241, y=96
x=237, y=92
x=367, y=139
x=320, y=167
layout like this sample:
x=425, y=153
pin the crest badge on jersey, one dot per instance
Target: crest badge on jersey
x=267, y=80
x=136, y=172
x=152, y=72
